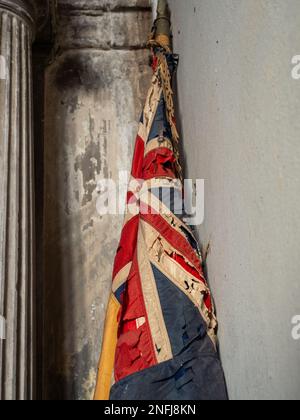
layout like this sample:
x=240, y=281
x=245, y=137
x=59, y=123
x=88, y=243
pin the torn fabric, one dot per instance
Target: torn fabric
x=160, y=335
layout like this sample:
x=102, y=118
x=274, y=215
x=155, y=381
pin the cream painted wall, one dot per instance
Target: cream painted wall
x=240, y=117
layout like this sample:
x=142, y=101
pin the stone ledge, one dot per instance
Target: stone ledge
x=107, y=31
x=102, y=5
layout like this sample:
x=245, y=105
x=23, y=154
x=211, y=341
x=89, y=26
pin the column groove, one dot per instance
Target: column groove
x=16, y=206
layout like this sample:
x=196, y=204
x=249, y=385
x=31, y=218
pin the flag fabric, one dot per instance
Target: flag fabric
x=160, y=333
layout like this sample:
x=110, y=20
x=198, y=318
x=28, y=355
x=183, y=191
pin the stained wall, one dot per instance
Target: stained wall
x=94, y=91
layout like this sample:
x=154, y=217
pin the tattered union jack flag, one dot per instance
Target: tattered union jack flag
x=160, y=333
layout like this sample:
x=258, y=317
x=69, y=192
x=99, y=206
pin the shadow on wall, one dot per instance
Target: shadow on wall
x=79, y=244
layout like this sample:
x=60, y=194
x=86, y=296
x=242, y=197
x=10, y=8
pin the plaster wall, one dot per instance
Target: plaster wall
x=239, y=112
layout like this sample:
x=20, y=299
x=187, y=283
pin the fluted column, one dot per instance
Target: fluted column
x=16, y=202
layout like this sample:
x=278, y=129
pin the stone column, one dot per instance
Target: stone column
x=94, y=93
x=16, y=202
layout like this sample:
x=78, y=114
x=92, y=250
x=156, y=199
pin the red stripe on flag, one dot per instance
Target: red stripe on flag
x=174, y=238
x=138, y=158
x=187, y=267
x=135, y=349
x=159, y=162
x=181, y=261
x=129, y=196
x=127, y=245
